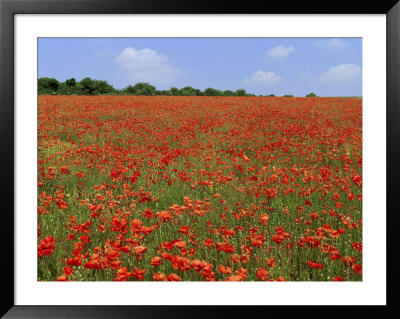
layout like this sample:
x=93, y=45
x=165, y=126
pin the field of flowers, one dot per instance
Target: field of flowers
x=199, y=188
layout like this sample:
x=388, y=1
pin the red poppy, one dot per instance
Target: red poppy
x=264, y=218
x=139, y=251
x=338, y=278
x=62, y=278
x=155, y=261
x=225, y=270
x=262, y=273
x=271, y=262
x=46, y=246
x=139, y=274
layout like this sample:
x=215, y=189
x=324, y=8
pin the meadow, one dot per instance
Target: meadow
x=181, y=188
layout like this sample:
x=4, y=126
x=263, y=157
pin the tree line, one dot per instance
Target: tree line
x=88, y=86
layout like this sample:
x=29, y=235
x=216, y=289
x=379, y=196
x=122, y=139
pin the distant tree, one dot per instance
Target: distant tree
x=174, y=91
x=143, y=89
x=288, y=95
x=229, y=93
x=47, y=85
x=187, y=91
x=63, y=89
x=88, y=86
x=102, y=87
x=70, y=82
x=272, y=95
x=312, y=94
x=129, y=90
x=212, y=92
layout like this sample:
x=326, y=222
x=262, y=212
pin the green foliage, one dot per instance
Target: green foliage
x=229, y=93
x=142, y=89
x=88, y=86
x=288, y=95
x=212, y=92
x=174, y=91
x=102, y=87
x=187, y=91
x=70, y=82
x=312, y=94
x=47, y=86
x=129, y=90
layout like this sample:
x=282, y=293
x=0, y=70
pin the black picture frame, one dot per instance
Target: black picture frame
x=9, y=8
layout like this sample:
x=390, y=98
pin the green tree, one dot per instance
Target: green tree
x=102, y=87
x=212, y=92
x=240, y=92
x=288, y=95
x=229, y=93
x=70, y=82
x=187, y=91
x=88, y=86
x=63, y=89
x=129, y=90
x=174, y=91
x=312, y=94
x=144, y=89
x=47, y=85
x=140, y=89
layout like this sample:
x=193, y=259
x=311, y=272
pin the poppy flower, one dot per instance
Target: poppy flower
x=68, y=271
x=225, y=270
x=62, y=278
x=46, y=246
x=271, y=262
x=155, y=261
x=262, y=273
x=314, y=265
x=85, y=239
x=139, y=251
x=138, y=274
x=338, y=278
x=264, y=218
x=234, y=278
x=172, y=277
x=209, y=242
x=163, y=215
x=158, y=276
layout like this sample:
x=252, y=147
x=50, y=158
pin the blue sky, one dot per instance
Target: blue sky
x=326, y=66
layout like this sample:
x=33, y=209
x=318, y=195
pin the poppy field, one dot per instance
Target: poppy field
x=197, y=188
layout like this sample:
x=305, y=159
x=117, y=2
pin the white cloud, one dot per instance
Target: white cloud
x=342, y=73
x=280, y=51
x=333, y=43
x=146, y=65
x=262, y=78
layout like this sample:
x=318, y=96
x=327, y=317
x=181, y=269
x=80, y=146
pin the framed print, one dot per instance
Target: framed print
x=164, y=159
